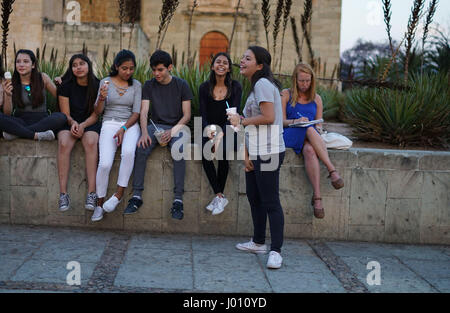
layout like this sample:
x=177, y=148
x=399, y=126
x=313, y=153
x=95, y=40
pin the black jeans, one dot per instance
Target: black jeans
x=25, y=125
x=218, y=178
x=263, y=195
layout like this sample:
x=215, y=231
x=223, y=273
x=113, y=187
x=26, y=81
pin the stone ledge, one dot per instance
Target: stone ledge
x=390, y=195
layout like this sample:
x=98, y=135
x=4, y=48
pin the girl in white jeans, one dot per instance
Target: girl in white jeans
x=120, y=99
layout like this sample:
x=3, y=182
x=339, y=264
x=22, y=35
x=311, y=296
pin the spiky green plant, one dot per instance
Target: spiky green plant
x=419, y=115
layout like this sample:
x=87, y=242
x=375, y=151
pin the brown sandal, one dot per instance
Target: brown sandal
x=318, y=213
x=337, y=184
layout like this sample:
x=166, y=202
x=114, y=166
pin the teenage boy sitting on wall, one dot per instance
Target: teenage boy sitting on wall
x=169, y=100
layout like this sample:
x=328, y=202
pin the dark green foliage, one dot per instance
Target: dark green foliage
x=417, y=116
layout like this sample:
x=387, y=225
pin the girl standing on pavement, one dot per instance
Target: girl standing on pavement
x=263, y=117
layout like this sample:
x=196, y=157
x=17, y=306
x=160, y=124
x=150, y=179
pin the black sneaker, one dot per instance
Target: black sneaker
x=177, y=210
x=133, y=205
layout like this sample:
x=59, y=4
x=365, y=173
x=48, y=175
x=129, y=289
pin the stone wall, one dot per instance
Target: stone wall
x=390, y=196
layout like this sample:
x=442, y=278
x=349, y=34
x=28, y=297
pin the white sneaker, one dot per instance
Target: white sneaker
x=221, y=204
x=9, y=136
x=274, y=260
x=110, y=205
x=252, y=247
x=98, y=214
x=212, y=205
x=46, y=136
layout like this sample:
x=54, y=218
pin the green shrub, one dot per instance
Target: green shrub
x=333, y=103
x=419, y=115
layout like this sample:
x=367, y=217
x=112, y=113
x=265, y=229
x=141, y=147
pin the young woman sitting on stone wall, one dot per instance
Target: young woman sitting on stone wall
x=77, y=95
x=25, y=113
x=301, y=103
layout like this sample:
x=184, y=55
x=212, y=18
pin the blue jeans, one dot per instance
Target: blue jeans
x=25, y=125
x=140, y=164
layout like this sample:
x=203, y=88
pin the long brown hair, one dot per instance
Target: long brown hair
x=311, y=93
x=36, y=82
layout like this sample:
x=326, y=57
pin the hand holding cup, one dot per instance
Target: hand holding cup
x=7, y=84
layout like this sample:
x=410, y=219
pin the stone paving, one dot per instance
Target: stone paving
x=34, y=259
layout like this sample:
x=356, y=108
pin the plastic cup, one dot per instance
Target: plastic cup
x=233, y=110
x=158, y=134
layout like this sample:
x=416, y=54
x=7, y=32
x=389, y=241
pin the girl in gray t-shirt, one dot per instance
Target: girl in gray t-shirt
x=25, y=110
x=119, y=99
x=264, y=153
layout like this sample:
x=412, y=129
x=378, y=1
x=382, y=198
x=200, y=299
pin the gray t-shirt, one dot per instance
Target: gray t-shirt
x=264, y=139
x=28, y=105
x=166, y=100
x=119, y=107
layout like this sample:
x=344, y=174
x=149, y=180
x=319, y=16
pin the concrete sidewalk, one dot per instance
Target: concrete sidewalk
x=35, y=259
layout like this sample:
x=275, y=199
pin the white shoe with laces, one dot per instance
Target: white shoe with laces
x=252, y=247
x=275, y=260
x=221, y=204
x=98, y=214
x=213, y=204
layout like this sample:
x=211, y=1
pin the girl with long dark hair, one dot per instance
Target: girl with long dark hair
x=264, y=155
x=215, y=96
x=119, y=99
x=28, y=88
x=77, y=96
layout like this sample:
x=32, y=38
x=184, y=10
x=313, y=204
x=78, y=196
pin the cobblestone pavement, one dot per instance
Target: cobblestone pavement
x=37, y=259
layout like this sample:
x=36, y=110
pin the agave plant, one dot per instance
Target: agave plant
x=417, y=116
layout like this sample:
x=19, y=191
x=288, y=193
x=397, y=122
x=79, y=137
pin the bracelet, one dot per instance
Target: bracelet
x=124, y=127
x=241, y=119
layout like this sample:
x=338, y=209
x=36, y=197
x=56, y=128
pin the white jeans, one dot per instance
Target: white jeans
x=107, y=150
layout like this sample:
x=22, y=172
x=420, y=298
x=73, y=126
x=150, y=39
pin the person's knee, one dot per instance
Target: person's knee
x=90, y=143
x=105, y=165
x=64, y=145
x=128, y=154
x=308, y=151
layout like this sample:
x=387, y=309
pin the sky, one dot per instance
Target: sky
x=364, y=19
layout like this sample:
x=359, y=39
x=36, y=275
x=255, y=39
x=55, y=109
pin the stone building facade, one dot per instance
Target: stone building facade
x=38, y=22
